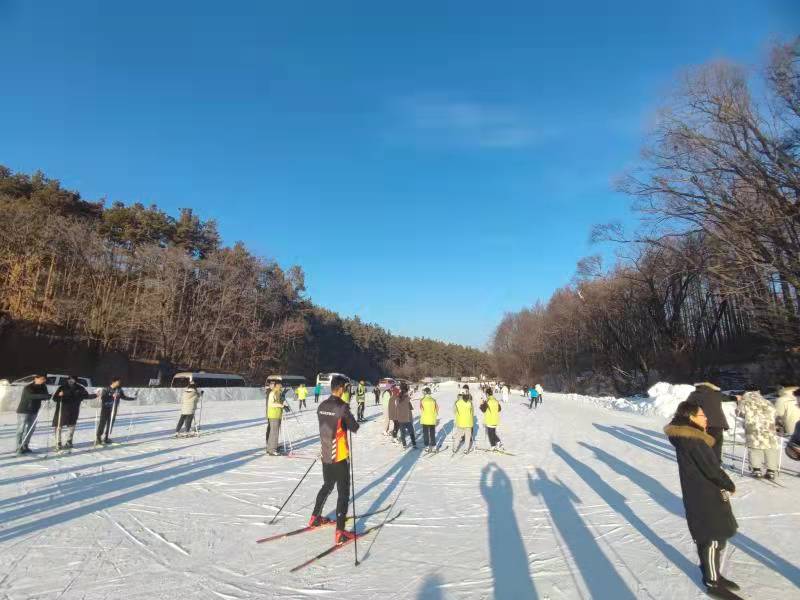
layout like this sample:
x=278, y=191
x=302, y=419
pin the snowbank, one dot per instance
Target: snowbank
x=662, y=399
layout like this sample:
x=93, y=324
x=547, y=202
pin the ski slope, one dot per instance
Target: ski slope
x=588, y=508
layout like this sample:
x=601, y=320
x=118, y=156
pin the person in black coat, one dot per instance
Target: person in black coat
x=68, y=398
x=706, y=492
x=33, y=395
x=708, y=397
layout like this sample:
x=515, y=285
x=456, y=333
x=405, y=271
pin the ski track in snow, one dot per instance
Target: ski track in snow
x=589, y=507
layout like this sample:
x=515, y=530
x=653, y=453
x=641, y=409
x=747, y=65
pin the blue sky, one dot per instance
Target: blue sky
x=430, y=165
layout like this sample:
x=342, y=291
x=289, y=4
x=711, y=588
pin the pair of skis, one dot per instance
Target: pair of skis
x=335, y=547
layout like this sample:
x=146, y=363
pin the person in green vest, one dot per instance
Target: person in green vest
x=302, y=393
x=491, y=419
x=464, y=417
x=361, y=400
x=428, y=414
x=275, y=407
x=346, y=395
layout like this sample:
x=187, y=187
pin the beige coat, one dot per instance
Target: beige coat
x=787, y=409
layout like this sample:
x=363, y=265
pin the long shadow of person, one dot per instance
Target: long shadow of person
x=509, y=559
x=630, y=437
x=431, y=588
x=597, y=571
x=674, y=504
x=618, y=502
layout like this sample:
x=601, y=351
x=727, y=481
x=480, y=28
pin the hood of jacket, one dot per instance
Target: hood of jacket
x=686, y=431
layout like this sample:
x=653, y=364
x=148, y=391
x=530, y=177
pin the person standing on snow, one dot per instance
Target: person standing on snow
x=317, y=392
x=361, y=400
x=275, y=407
x=405, y=417
x=395, y=394
x=706, y=488
x=708, y=397
x=505, y=394
x=68, y=398
x=534, y=395
x=759, y=428
x=28, y=408
x=376, y=391
x=189, y=399
x=464, y=419
x=428, y=414
x=335, y=421
x=302, y=393
x=386, y=400
x=540, y=391
x=787, y=409
x=491, y=419
x=109, y=405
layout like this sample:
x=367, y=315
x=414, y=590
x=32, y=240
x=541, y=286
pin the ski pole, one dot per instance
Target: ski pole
x=293, y=491
x=27, y=435
x=353, y=488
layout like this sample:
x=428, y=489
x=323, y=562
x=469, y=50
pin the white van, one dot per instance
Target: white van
x=324, y=379
x=207, y=380
x=55, y=380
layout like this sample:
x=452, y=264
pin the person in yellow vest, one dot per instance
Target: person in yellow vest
x=428, y=414
x=302, y=393
x=275, y=407
x=346, y=395
x=361, y=400
x=464, y=417
x=491, y=419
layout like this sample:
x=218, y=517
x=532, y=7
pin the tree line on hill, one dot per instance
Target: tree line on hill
x=713, y=272
x=136, y=280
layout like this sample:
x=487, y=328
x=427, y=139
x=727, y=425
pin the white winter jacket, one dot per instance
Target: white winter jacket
x=787, y=410
x=189, y=400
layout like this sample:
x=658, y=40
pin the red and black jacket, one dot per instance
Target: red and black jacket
x=335, y=420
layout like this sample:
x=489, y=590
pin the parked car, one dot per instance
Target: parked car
x=54, y=380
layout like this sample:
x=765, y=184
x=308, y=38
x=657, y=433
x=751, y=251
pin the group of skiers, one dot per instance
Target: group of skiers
x=696, y=433
x=67, y=399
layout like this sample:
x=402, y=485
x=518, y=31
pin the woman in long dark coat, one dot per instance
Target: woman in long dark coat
x=706, y=494
x=68, y=398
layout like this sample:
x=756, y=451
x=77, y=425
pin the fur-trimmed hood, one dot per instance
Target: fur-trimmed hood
x=708, y=385
x=689, y=432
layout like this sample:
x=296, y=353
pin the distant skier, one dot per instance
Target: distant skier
x=302, y=393
x=429, y=413
x=405, y=417
x=540, y=391
x=464, y=417
x=491, y=419
x=189, y=398
x=395, y=394
x=534, y=395
x=376, y=391
x=706, y=488
x=275, y=407
x=361, y=400
x=68, y=398
x=317, y=392
x=28, y=408
x=335, y=422
x=109, y=406
x=505, y=394
x=386, y=400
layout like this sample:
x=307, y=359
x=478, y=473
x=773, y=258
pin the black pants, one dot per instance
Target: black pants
x=716, y=433
x=710, y=554
x=429, y=435
x=185, y=419
x=377, y=400
x=302, y=403
x=104, y=425
x=316, y=398
x=395, y=428
x=335, y=474
x=407, y=428
x=360, y=412
x=493, y=439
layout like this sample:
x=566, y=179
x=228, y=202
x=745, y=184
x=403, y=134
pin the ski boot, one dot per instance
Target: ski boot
x=770, y=476
x=319, y=521
x=757, y=473
x=342, y=536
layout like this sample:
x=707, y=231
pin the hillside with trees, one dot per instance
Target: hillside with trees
x=712, y=275
x=133, y=281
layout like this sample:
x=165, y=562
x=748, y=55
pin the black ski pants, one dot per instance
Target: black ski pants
x=429, y=435
x=710, y=554
x=316, y=398
x=187, y=419
x=335, y=474
x=104, y=424
x=492, y=433
x=360, y=412
x=407, y=428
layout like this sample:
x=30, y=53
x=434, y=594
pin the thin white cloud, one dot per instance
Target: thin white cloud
x=447, y=120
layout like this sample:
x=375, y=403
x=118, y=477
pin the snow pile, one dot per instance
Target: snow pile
x=662, y=399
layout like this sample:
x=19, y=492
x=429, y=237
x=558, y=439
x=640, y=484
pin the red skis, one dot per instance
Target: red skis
x=280, y=536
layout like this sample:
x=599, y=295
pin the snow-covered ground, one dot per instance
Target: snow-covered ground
x=589, y=507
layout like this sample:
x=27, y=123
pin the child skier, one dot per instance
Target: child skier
x=464, y=417
x=491, y=419
x=189, y=400
x=302, y=393
x=429, y=411
x=534, y=398
x=361, y=400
